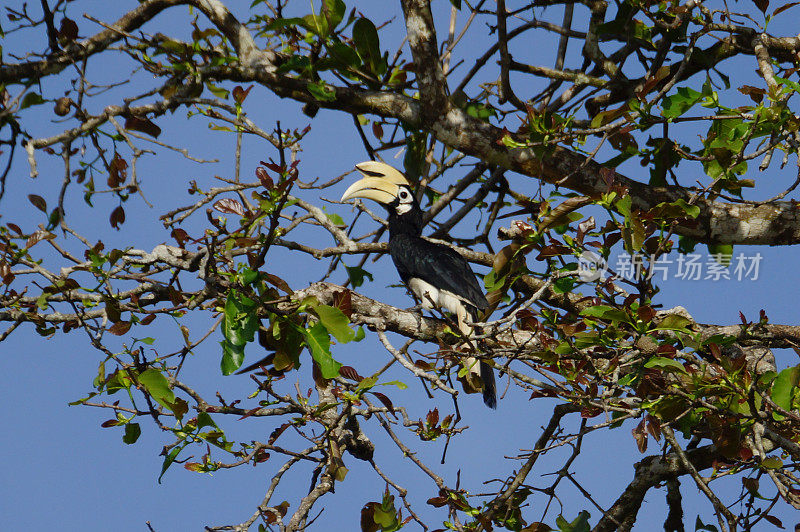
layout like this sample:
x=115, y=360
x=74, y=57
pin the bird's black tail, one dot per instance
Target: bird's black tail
x=489, y=387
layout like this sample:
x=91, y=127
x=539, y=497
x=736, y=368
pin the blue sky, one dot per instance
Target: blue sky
x=64, y=472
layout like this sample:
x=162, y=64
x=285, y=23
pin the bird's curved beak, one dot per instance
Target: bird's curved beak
x=380, y=183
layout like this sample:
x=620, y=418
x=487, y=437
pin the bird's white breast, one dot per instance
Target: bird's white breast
x=443, y=299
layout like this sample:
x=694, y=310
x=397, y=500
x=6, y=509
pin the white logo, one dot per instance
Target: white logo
x=591, y=266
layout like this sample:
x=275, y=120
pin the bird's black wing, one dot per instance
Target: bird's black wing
x=437, y=265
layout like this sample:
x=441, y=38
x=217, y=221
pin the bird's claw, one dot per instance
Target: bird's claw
x=416, y=308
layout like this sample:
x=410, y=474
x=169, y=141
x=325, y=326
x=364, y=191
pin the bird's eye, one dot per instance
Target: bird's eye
x=403, y=194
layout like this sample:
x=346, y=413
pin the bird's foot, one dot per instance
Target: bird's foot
x=416, y=308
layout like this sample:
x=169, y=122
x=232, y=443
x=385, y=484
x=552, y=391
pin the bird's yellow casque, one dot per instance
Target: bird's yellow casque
x=380, y=183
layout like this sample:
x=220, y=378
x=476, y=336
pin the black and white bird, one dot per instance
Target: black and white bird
x=435, y=274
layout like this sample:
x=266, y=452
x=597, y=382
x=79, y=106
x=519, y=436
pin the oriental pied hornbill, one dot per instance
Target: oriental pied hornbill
x=434, y=273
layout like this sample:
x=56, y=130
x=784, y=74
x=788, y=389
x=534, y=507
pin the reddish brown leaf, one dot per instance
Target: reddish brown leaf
x=437, y=502
x=120, y=328
x=239, y=94
x=553, y=251
x=536, y=527
x=277, y=432
x=433, y=417
x=755, y=93
x=37, y=237
x=646, y=313
x=716, y=352
x=175, y=296
x=180, y=236
x=590, y=412
x=229, y=206
x=784, y=7
x=654, y=427
x=423, y=364
x=386, y=402
x=774, y=520
x=109, y=423
x=276, y=281
x=349, y=372
x=14, y=227
x=5, y=272
x=117, y=217
x=117, y=171
x=584, y=227
x=763, y=5
x=666, y=350
x=193, y=466
x=640, y=435
x=147, y=320
x=377, y=130
x=368, y=523
x=38, y=202
x=143, y=125
x=68, y=30
x=271, y=517
x=263, y=176
x=344, y=302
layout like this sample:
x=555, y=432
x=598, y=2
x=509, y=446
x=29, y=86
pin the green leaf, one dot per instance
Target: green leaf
x=399, y=384
x=665, y=364
x=722, y=253
x=157, y=386
x=173, y=454
x=336, y=322
x=784, y=386
x=480, y=111
x=605, y=312
x=580, y=524
x=788, y=83
x=492, y=283
x=219, y=92
x=334, y=11
x=674, y=322
x=232, y=357
x=563, y=285
x=322, y=91
x=31, y=99
x=386, y=519
x=357, y=275
x=367, y=42
x=367, y=383
x=360, y=334
x=624, y=206
x=772, y=463
x=691, y=210
x=316, y=24
x=677, y=104
x=280, y=23
x=319, y=343
x=132, y=433
x=240, y=321
x=343, y=55
x=700, y=526
x=686, y=244
x=335, y=219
